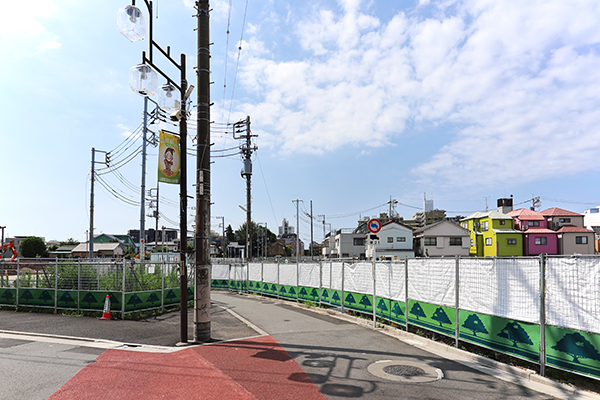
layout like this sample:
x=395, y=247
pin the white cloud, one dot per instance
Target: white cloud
x=17, y=19
x=515, y=80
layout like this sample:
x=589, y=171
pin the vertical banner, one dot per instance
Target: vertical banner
x=169, y=158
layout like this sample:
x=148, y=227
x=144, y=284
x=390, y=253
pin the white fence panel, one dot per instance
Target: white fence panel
x=358, y=277
x=270, y=273
x=573, y=293
x=390, y=280
x=255, y=271
x=288, y=274
x=432, y=280
x=326, y=274
x=239, y=272
x=336, y=275
x=220, y=271
x=504, y=287
x=309, y=275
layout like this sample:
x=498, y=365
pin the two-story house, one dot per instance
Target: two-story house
x=396, y=242
x=493, y=234
x=441, y=239
x=537, y=238
x=345, y=243
x=573, y=238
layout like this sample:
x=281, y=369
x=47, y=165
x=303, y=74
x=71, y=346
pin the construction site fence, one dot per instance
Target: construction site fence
x=83, y=284
x=544, y=309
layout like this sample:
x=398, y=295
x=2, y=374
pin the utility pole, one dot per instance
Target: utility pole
x=311, y=233
x=297, y=230
x=247, y=149
x=223, y=240
x=202, y=237
x=323, y=215
x=92, y=175
x=154, y=208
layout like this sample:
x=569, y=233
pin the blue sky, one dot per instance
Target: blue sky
x=353, y=102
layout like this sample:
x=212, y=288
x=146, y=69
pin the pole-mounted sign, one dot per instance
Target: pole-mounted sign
x=374, y=225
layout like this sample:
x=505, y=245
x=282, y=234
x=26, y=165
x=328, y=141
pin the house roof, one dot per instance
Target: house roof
x=559, y=212
x=428, y=227
x=573, y=229
x=533, y=229
x=490, y=214
x=97, y=247
x=506, y=231
x=391, y=221
x=526, y=214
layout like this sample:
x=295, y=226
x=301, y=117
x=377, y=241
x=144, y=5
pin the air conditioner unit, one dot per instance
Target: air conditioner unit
x=524, y=227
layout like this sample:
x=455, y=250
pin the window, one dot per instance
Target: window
x=359, y=241
x=564, y=220
x=502, y=222
x=400, y=239
x=430, y=241
x=465, y=225
x=581, y=239
x=488, y=241
x=390, y=240
x=484, y=226
x=472, y=243
x=534, y=223
x=511, y=242
x=455, y=241
x=541, y=241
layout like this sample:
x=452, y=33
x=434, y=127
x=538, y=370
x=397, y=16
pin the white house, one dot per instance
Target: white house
x=345, y=244
x=396, y=242
x=101, y=250
x=442, y=239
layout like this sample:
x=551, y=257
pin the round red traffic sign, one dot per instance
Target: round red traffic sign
x=374, y=225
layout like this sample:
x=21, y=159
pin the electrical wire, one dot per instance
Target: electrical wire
x=237, y=64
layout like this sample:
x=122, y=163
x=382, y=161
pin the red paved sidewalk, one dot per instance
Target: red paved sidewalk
x=257, y=368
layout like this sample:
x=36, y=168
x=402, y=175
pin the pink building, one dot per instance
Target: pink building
x=537, y=238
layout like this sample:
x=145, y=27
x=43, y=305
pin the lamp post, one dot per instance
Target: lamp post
x=143, y=80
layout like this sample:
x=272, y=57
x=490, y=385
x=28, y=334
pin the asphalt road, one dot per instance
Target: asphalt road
x=343, y=358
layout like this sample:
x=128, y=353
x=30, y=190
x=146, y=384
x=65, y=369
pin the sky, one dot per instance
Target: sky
x=354, y=103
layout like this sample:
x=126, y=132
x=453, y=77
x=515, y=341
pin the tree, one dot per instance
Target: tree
x=440, y=316
x=257, y=233
x=229, y=234
x=515, y=333
x=474, y=324
x=33, y=246
x=365, y=301
x=417, y=311
x=381, y=305
x=397, y=310
x=69, y=242
x=577, y=346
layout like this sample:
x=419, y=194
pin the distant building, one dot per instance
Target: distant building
x=285, y=228
x=429, y=217
x=591, y=219
x=101, y=250
x=153, y=236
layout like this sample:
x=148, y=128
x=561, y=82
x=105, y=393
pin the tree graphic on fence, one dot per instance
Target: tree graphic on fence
x=153, y=297
x=515, y=333
x=397, y=310
x=282, y=290
x=381, y=306
x=474, y=324
x=89, y=298
x=113, y=299
x=274, y=288
x=27, y=295
x=7, y=295
x=190, y=294
x=335, y=297
x=577, y=346
x=365, y=302
x=314, y=294
x=302, y=292
x=134, y=300
x=325, y=294
x=45, y=296
x=292, y=291
x=66, y=298
x=350, y=299
x=417, y=311
x=441, y=317
x=170, y=295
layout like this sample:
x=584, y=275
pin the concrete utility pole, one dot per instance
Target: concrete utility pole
x=202, y=238
x=311, y=233
x=247, y=149
x=297, y=230
x=92, y=176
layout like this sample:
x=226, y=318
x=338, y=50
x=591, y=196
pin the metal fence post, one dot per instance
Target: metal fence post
x=342, y=299
x=18, y=277
x=123, y=293
x=320, y=279
x=374, y=294
x=56, y=285
x=277, y=287
x=297, y=281
x=262, y=277
x=542, y=314
x=163, y=268
x=456, y=300
x=406, y=293
x=78, y=284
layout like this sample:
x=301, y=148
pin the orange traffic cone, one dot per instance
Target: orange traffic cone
x=106, y=311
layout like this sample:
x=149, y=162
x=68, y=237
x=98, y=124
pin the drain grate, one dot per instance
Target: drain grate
x=404, y=370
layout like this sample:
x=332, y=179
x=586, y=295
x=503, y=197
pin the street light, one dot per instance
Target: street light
x=166, y=100
x=131, y=23
x=143, y=80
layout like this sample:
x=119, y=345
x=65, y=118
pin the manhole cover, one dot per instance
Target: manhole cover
x=403, y=370
x=409, y=371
